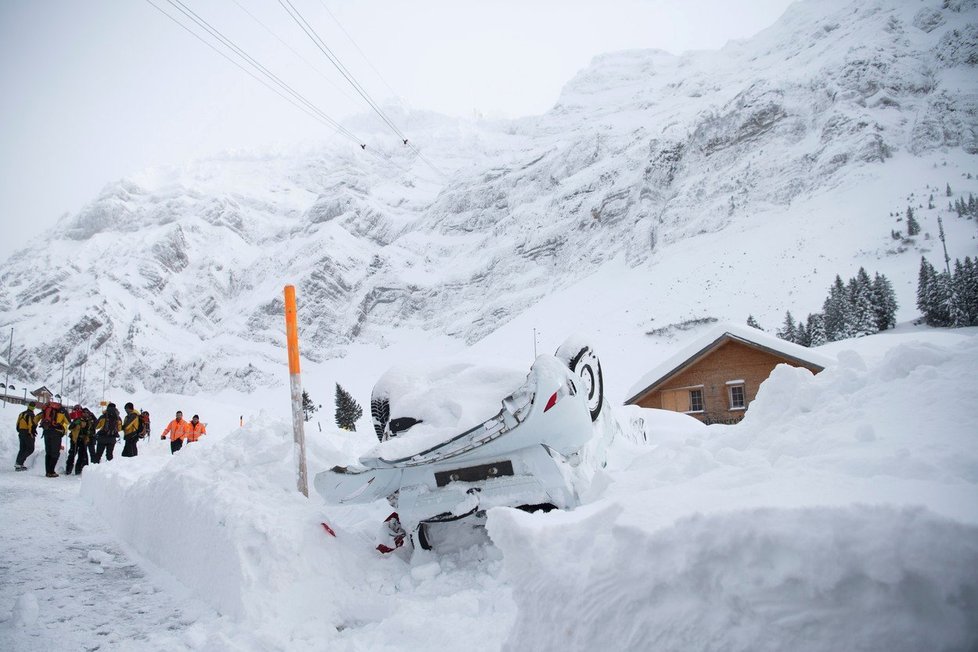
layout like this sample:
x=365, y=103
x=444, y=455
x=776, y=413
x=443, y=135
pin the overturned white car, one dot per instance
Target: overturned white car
x=531, y=454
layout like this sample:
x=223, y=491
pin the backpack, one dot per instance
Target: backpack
x=49, y=415
x=144, y=424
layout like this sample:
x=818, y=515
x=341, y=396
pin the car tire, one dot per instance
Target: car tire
x=586, y=365
x=380, y=413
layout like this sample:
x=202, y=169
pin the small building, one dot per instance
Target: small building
x=716, y=377
x=42, y=395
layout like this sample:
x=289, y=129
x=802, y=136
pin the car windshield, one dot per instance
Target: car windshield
x=446, y=399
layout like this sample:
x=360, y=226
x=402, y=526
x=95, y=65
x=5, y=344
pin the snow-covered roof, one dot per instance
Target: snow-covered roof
x=703, y=344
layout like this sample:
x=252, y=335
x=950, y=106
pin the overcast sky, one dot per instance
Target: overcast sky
x=94, y=90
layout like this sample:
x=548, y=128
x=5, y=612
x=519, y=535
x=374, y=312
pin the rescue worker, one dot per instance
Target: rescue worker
x=196, y=429
x=107, y=433
x=54, y=426
x=26, y=432
x=78, y=444
x=90, y=421
x=132, y=427
x=178, y=430
x=145, y=418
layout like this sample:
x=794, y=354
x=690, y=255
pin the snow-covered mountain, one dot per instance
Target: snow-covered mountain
x=716, y=183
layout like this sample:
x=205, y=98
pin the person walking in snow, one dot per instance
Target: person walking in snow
x=78, y=442
x=178, y=430
x=132, y=428
x=196, y=429
x=90, y=437
x=26, y=432
x=145, y=419
x=107, y=433
x=54, y=426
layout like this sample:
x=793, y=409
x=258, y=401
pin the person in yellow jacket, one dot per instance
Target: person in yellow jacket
x=178, y=429
x=54, y=424
x=132, y=428
x=107, y=433
x=78, y=446
x=196, y=429
x=27, y=432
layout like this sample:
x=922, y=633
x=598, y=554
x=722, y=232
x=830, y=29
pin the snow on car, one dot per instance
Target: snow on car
x=462, y=438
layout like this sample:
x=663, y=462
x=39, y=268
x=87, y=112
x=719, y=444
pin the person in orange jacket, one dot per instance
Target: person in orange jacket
x=178, y=429
x=196, y=429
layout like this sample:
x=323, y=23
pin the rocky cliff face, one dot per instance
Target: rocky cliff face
x=174, y=278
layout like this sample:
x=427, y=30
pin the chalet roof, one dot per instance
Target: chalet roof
x=42, y=390
x=712, y=339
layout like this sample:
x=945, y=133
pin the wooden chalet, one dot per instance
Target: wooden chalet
x=717, y=376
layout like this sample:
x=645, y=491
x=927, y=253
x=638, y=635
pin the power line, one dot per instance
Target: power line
x=333, y=59
x=189, y=13
x=303, y=24
x=296, y=99
x=295, y=52
x=232, y=61
x=362, y=54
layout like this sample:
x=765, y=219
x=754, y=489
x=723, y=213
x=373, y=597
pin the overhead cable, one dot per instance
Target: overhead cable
x=189, y=13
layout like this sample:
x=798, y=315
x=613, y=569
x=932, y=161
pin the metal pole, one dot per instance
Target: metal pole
x=6, y=380
x=105, y=373
x=62, y=388
x=84, y=368
x=295, y=383
x=534, y=344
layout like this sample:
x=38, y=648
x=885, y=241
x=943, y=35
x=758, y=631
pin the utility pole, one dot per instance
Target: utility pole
x=947, y=259
x=534, y=343
x=61, y=390
x=88, y=350
x=953, y=296
x=6, y=381
x=105, y=373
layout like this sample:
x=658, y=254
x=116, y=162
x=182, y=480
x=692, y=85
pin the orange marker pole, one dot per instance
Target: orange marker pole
x=298, y=430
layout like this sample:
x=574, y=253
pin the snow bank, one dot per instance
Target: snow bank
x=225, y=519
x=839, y=514
x=851, y=578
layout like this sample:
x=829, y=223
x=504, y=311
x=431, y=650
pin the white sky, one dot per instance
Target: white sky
x=94, y=90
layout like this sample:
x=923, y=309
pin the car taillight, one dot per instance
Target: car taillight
x=552, y=402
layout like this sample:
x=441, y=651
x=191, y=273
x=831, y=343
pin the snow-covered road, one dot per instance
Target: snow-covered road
x=66, y=583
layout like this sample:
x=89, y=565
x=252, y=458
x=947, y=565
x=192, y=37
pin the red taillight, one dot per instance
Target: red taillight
x=552, y=402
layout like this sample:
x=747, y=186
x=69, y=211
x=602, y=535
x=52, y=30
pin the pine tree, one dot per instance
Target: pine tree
x=833, y=311
x=863, y=316
x=948, y=190
x=924, y=278
x=802, y=336
x=884, y=303
x=816, y=329
x=934, y=295
x=348, y=411
x=913, y=227
x=753, y=323
x=308, y=407
x=968, y=290
x=787, y=331
x=957, y=307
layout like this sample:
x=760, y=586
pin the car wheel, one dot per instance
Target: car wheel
x=380, y=412
x=585, y=364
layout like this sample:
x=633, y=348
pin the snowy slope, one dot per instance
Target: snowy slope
x=677, y=176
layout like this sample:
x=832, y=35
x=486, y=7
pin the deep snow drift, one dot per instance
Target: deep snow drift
x=839, y=514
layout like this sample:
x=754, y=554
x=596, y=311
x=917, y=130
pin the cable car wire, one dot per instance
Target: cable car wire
x=265, y=71
x=311, y=110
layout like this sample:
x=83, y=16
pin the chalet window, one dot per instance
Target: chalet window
x=737, y=397
x=696, y=400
